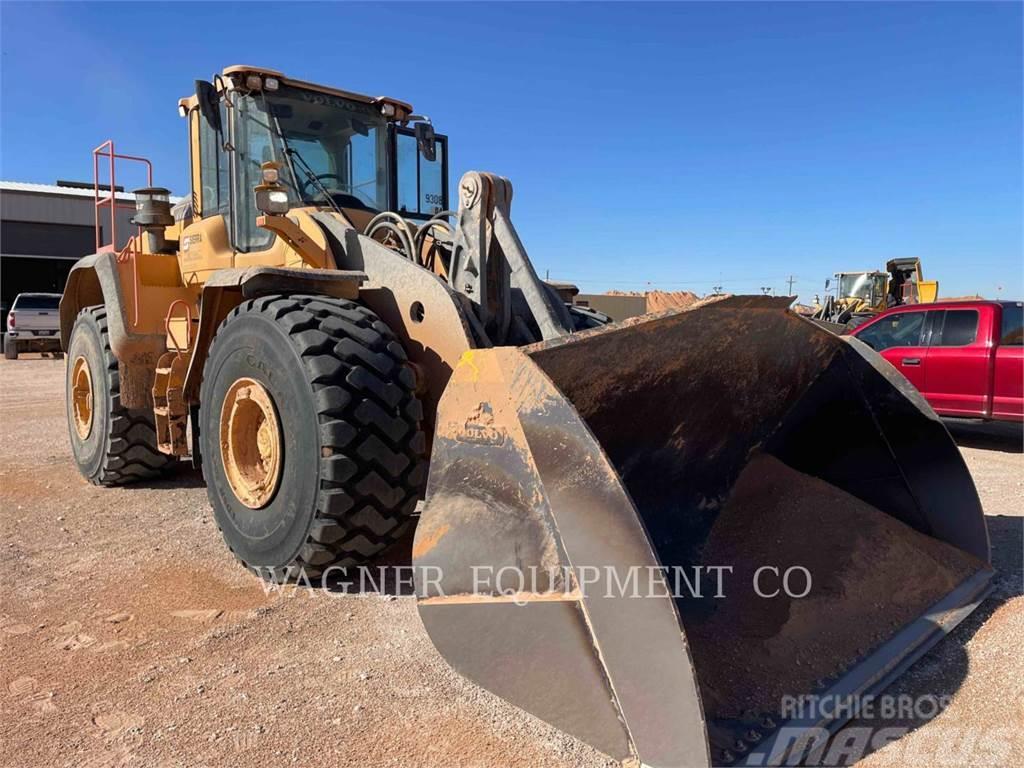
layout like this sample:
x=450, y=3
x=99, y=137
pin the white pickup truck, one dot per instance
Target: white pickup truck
x=33, y=325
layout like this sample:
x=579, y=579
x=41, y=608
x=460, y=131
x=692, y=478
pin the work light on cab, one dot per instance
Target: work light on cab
x=271, y=197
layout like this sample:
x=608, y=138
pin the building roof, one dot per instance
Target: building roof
x=53, y=189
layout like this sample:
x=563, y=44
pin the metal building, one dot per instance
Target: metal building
x=617, y=307
x=44, y=228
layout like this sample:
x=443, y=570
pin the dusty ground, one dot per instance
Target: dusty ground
x=130, y=637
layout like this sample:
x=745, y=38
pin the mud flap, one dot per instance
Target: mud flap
x=572, y=476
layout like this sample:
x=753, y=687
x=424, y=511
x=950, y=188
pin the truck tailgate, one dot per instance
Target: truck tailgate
x=38, y=322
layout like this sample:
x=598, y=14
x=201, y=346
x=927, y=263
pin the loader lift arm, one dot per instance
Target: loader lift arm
x=489, y=266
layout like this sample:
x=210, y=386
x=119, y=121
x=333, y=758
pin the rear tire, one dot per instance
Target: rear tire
x=112, y=445
x=352, y=458
x=10, y=349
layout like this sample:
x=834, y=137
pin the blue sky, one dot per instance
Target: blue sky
x=665, y=145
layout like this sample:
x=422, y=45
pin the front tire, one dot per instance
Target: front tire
x=310, y=430
x=112, y=445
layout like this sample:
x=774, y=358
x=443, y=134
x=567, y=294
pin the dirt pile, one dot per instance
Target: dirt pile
x=871, y=575
x=660, y=300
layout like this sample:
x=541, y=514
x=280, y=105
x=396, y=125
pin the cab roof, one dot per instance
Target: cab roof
x=948, y=304
x=237, y=72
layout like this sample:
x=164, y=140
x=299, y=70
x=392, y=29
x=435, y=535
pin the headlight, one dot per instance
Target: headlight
x=271, y=201
x=271, y=175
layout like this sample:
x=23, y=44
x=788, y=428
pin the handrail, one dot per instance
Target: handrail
x=106, y=149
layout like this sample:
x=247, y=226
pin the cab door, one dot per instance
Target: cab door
x=206, y=244
x=959, y=370
x=1008, y=390
x=899, y=336
x=419, y=185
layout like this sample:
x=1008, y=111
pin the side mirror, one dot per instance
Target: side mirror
x=425, y=141
x=209, y=106
x=827, y=284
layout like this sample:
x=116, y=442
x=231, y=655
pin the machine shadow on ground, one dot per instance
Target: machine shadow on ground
x=388, y=575
x=987, y=435
x=182, y=476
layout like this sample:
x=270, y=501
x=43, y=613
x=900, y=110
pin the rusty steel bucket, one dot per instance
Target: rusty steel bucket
x=650, y=446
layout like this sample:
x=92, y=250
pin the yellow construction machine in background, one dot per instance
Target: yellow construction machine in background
x=859, y=296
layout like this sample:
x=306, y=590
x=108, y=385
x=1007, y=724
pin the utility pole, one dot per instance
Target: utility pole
x=791, y=280
x=766, y=289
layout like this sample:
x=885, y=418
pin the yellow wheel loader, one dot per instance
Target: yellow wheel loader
x=860, y=296
x=312, y=323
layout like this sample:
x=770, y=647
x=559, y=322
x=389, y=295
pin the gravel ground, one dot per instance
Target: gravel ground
x=131, y=637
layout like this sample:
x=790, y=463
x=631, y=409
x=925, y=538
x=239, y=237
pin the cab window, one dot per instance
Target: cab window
x=901, y=329
x=314, y=153
x=420, y=181
x=253, y=147
x=214, y=169
x=959, y=328
x=1012, y=330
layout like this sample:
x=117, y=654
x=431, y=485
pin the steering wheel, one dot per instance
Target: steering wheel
x=307, y=183
x=342, y=188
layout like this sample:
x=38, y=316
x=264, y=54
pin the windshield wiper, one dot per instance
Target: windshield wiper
x=310, y=175
x=291, y=152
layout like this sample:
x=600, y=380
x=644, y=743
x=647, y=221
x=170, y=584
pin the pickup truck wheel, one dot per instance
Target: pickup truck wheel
x=112, y=445
x=10, y=349
x=310, y=427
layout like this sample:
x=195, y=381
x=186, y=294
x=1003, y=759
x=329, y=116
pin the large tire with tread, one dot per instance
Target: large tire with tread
x=120, y=447
x=353, y=455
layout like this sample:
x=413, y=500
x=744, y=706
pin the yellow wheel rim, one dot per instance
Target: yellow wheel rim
x=81, y=397
x=250, y=443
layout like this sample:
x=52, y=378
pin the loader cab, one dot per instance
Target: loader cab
x=333, y=150
x=868, y=288
x=907, y=284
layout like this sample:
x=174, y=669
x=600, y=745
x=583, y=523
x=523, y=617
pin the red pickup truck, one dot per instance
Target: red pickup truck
x=966, y=357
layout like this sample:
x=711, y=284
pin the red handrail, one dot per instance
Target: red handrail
x=106, y=149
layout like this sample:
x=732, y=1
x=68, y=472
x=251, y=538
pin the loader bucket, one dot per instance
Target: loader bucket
x=572, y=482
